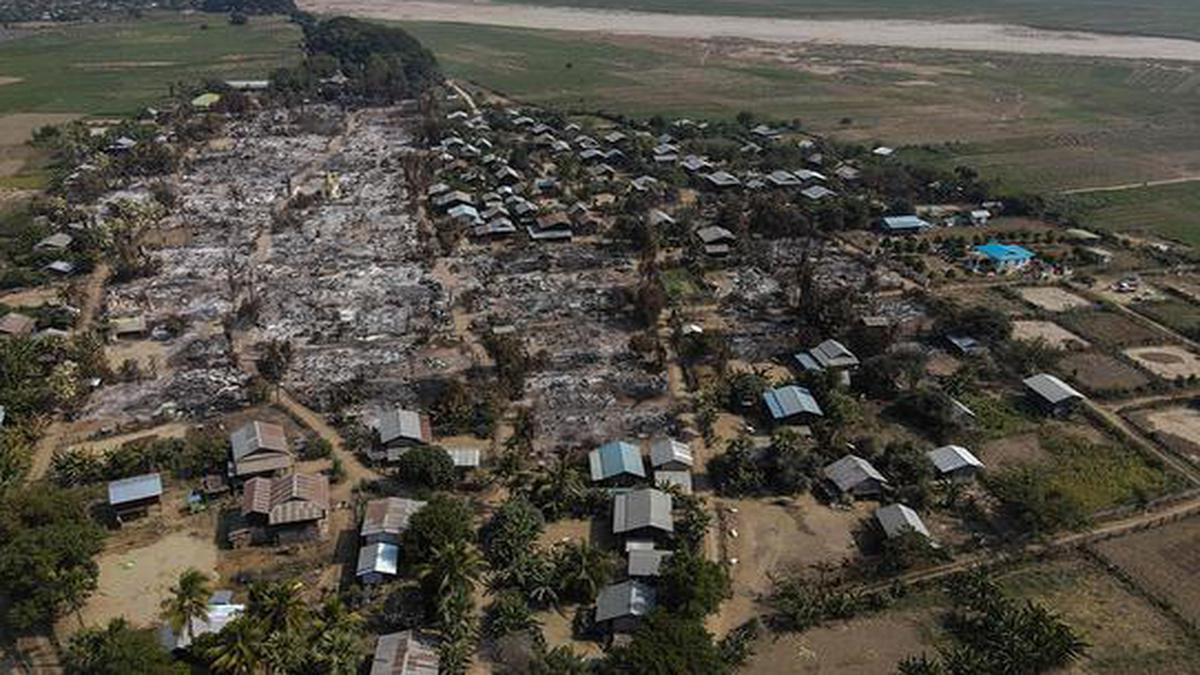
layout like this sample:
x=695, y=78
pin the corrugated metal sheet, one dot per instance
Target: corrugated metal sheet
x=616, y=458
x=405, y=653
x=628, y=598
x=896, y=519
x=642, y=508
x=785, y=402
x=134, y=489
x=850, y=471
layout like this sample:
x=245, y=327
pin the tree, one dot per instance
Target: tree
x=118, y=649
x=512, y=531
x=558, y=489
x=188, y=602
x=277, y=605
x=581, y=570
x=665, y=644
x=509, y=613
x=427, y=466
x=47, y=546
x=920, y=665
x=443, y=520
x=735, y=472
x=692, y=586
x=239, y=648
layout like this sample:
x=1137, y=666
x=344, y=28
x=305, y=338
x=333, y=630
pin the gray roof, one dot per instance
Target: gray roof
x=380, y=558
x=896, y=519
x=788, y=401
x=665, y=450
x=714, y=233
x=615, y=458
x=389, y=515
x=400, y=424
x=465, y=458
x=642, y=508
x=134, y=489
x=850, y=471
x=1052, y=389
x=405, y=653
x=830, y=354
x=722, y=179
x=220, y=612
x=817, y=192
x=628, y=598
x=646, y=563
x=257, y=436
x=949, y=458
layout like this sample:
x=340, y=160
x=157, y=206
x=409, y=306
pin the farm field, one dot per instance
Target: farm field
x=1053, y=334
x=1165, y=210
x=1099, y=373
x=1168, y=361
x=1052, y=298
x=1110, y=328
x=1028, y=121
x=1176, y=427
x=1159, y=559
x=1178, y=315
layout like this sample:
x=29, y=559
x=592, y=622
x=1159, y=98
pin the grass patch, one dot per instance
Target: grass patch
x=116, y=68
x=1178, y=315
x=1168, y=211
x=997, y=417
x=680, y=284
x=1100, y=475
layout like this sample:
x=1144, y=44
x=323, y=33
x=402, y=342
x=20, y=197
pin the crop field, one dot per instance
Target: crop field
x=1110, y=329
x=1027, y=121
x=1178, y=315
x=1176, y=427
x=117, y=68
x=1177, y=18
x=1165, y=210
x=1099, y=373
x=1159, y=559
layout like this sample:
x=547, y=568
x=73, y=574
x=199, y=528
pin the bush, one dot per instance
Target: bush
x=427, y=466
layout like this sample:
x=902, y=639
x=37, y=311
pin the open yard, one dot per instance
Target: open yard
x=1164, y=561
x=1051, y=333
x=1177, y=427
x=1052, y=298
x=1099, y=373
x=1168, y=361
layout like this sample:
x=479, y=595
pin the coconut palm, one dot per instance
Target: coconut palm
x=557, y=489
x=451, y=568
x=238, y=648
x=277, y=605
x=187, y=603
x=581, y=569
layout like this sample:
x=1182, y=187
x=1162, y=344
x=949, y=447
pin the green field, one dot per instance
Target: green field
x=1177, y=18
x=1171, y=211
x=117, y=68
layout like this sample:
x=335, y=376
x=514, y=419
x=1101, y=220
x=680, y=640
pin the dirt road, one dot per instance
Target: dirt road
x=1132, y=186
x=976, y=37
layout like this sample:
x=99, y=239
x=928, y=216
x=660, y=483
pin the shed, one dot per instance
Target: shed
x=955, y=462
x=966, y=345
x=623, y=604
x=220, y=611
x=377, y=562
x=789, y=402
x=616, y=460
x=130, y=497
x=259, y=448
x=646, y=562
x=206, y=100
x=16, y=324
x=58, y=241
x=1051, y=394
x=681, y=479
x=670, y=454
x=897, y=519
x=128, y=326
x=855, y=476
x=646, y=511
x=405, y=653
x=904, y=225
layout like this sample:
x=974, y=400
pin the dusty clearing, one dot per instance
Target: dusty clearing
x=1108, y=328
x=172, y=430
x=17, y=128
x=1013, y=451
x=1177, y=428
x=1052, y=333
x=882, y=33
x=133, y=583
x=32, y=297
x=866, y=646
x=1101, y=373
x=1167, y=361
x=1159, y=560
x=1052, y=298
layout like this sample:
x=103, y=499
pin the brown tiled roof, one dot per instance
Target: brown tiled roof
x=293, y=498
x=389, y=515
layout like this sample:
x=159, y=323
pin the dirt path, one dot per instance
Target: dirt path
x=975, y=37
x=1132, y=186
x=93, y=295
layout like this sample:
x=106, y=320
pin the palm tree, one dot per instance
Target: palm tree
x=581, y=569
x=187, y=603
x=452, y=568
x=557, y=489
x=277, y=605
x=238, y=649
x=286, y=652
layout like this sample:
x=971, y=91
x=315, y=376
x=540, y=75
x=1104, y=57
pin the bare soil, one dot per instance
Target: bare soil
x=1013, y=451
x=1052, y=298
x=1052, y=333
x=1101, y=373
x=1164, y=561
x=1167, y=361
x=1109, y=328
x=870, y=645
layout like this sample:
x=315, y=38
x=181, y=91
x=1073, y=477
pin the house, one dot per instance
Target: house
x=845, y=172
x=979, y=217
x=781, y=178
x=694, y=164
x=446, y=200
x=128, y=326
x=830, y=355
x=377, y=563
x=898, y=225
x=1004, y=257
x=722, y=180
x=616, y=461
x=883, y=151
x=221, y=611
x=63, y=267
x=646, y=562
x=1052, y=395
x=405, y=653
x=1097, y=255
x=644, y=184
x=465, y=458
x=206, y=101
x=791, y=402
x=132, y=497
x=621, y=606
x=807, y=175
x=817, y=192
x=642, y=513
x=499, y=226
x=852, y=475
x=400, y=429
x=386, y=519
x=55, y=242
x=680, y=479
x=955, y=463
x=554, y=226
x=16, y=324
x=465, y=214
x=898, y=519
x=717, y=241
x=668, y=454
x=291, y=508
x=966, y=345
x=259, y=448
x=658, y=218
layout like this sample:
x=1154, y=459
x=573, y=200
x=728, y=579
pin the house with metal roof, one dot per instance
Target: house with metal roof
x=1003, y=258
x=1052, y=395
x=447, y=200
x=16, y=324
x=668, y=454
x=781, y=178
x=500, y=226
x=616, y=461
x=829, y=355
x=134, y=496
x=646, y=562
x=966, y=345
x=717, y=241
x=895, y=225
x=58, y=241
x=791, y=403
x=221, y=610
x=852, y=475
x=955, y=463
x=128, y=326
x=377, y=563
x=722, y=180
x=621, y=606
x=817, y=192
x=259, y=448
x=405, y=653
x=386, y=519
x=643, y=513
x=465, y=214
x=898, y=519
x=292, y=508
x=401, y=428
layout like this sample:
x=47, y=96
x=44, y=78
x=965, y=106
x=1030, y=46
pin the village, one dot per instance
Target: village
x=669, y=349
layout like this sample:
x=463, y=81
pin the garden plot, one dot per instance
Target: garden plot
x=1159, y=560
x=1100, y=373
x=1049, y=332
x=1176, y=427
x=1168, y=361
x=1052, y=298
x=1110, y=328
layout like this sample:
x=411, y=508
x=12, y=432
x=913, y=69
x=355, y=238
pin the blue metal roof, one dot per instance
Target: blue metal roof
x=134, y=489
x=997, y=252
x=785, y=402
x=615, y=458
